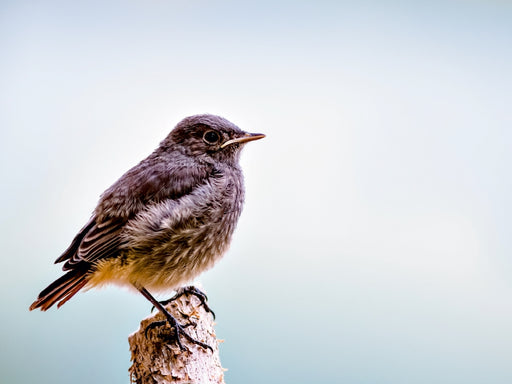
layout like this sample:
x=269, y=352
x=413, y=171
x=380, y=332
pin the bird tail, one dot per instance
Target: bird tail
x=61, y=290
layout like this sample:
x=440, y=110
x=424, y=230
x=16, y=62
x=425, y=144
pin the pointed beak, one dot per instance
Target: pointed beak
x=244, y=139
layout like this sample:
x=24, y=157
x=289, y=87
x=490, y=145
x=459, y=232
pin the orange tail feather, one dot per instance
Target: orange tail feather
x=61, y=290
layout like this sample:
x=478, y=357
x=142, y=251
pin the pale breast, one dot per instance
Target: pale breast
x=172, y=242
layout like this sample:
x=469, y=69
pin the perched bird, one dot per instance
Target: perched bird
x=164, y=221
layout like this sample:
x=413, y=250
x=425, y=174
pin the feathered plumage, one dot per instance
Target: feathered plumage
x=165, y=220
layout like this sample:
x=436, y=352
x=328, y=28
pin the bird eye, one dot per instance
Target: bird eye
x=211, y=137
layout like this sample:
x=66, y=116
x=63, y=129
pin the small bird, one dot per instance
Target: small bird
x=164, y=221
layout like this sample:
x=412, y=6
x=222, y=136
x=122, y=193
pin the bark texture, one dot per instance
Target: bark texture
x=157, y=360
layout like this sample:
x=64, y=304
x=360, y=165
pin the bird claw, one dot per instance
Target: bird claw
x=179, y=330
x=153, y=325
x=193, y=291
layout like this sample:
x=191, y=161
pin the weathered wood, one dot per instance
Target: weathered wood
x=157, y=360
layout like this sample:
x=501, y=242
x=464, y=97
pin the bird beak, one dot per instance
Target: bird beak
x=244, y=139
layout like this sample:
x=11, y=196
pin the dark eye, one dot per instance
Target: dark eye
x=211, y=137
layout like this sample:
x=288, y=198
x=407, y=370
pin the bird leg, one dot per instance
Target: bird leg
x=193, y=291
x=179, y=330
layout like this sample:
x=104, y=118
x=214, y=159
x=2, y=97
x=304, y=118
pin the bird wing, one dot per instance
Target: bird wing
x=94, y=242
x=135, y=191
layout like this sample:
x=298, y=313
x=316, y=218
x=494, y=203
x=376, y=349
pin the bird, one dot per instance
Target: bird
x=163, y=222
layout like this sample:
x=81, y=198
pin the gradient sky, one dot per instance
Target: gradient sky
x=375, y=243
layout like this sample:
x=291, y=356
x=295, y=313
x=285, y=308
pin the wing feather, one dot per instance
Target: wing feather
x=101, y=241
x=148, y=183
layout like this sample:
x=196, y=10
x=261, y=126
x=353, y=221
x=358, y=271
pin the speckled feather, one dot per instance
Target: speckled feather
x=164, y=221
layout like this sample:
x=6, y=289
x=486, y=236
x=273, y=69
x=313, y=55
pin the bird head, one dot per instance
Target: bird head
x=209, y=137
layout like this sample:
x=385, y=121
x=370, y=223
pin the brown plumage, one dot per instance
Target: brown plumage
x=165, y=220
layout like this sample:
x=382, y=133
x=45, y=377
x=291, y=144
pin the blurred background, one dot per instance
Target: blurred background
x=376, y=238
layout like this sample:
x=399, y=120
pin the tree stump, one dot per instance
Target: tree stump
x=157, y=360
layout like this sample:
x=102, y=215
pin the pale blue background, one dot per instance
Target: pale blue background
x=375, y=246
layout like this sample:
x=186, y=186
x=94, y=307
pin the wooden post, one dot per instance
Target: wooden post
x=156, y=361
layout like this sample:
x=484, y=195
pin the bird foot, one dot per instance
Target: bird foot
x=178, y=332
x=193, y=291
